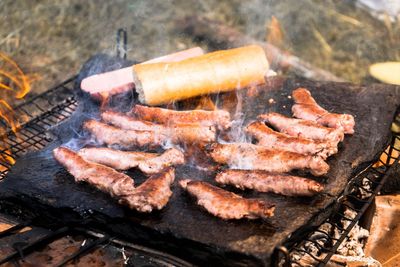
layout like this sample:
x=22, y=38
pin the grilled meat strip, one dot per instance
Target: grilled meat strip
x=263, y=181
x=126, y=122
x=303, y=128
x=152, y=194
x=227, y=205
x=123, y=160
x=275, y=140
x=182, y=133
x=110, y=135
x=102, y=177
x=246, y=156
x=218, y=118
x=307, y=108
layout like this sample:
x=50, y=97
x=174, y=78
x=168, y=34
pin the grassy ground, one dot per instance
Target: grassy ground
x=54, y=38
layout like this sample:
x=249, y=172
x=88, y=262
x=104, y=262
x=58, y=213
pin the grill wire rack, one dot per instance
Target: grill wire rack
x=40, y=114
x=318, y=246
x=58, y=103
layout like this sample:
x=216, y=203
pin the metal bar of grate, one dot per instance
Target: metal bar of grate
x=83, y=250
x=24, y=249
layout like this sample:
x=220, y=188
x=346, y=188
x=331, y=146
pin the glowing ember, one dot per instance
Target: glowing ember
x=384, y=157
x=15, y=85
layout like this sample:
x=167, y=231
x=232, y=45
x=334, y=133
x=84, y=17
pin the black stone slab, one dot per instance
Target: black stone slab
x=182, y=228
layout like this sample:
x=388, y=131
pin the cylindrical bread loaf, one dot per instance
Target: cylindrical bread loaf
x=220, y=71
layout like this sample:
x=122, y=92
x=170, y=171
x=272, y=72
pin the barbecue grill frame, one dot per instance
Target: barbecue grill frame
x=33, y=134
x=361, y=192
x=82, y=229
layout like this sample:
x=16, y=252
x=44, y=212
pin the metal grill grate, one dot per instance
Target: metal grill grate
x=37, y=116
x=130, y=254
x=318, y=246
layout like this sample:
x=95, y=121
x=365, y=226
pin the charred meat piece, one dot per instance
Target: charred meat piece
x=275, y=140
x=218, y=118
x=102, y=177
x=182, y=133
x=123, y=160
x=263, y=181
x=307, y=108
x=246, y=156
x=302, y=128
x=152, y=194
x=226, y=205
x=113, y=136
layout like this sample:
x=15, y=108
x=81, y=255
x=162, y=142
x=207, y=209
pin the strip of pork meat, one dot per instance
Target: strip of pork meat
x=123, y=160
x=303, y=128
x=225, y=204
x=182, y=133
x=113, y=136
x=102, y=177
x=263, y=181
x=275, y=140
x=246, y=156
x=152, y=194
x=218, y=118
x=307, y=108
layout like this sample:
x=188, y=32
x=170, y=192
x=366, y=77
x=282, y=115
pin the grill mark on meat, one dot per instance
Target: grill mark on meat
x=110, y=135
x=102, y=177
x=152, y=194
x=263, y=181
x=218, y=118
x=123, y=160
x=177, y=133
x=226, y=205
x=247, y=156
x=303, y=128
x=307, y=108
x=275, y=140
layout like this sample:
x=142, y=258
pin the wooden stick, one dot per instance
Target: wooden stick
x=221, y=36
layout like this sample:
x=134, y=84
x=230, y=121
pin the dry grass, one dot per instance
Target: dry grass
x=54, y=38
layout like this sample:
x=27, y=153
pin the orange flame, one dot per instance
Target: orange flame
x=15, y=85
x=6, y=112
x=20, y=80
x=6, y=156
